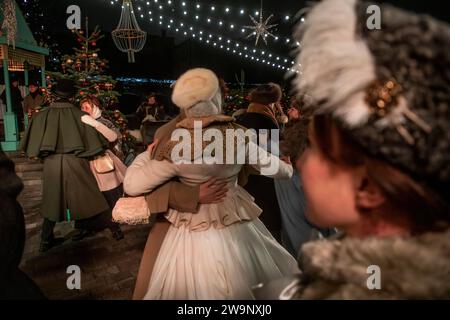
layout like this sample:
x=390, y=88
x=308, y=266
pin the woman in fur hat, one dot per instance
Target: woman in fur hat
x=223, y=250
x=378, y=165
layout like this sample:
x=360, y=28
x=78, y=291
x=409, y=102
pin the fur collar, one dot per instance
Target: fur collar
x=188, y=123
x=411, y=267
x=263, y=110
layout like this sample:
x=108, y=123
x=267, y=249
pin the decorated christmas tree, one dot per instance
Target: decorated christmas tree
x=87, y=69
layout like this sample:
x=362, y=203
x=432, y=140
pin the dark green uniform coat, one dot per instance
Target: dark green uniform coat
x=58, y=136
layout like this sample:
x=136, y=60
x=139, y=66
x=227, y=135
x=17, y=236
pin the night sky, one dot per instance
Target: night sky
x=168, y=53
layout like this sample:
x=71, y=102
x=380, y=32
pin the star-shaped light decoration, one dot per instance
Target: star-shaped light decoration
x=261, y=28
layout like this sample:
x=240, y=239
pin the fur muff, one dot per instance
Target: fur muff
x=266, y=94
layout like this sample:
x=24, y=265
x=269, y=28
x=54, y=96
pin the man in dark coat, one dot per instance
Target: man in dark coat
x=261, y=115
x=16, y=101
x=59, y=137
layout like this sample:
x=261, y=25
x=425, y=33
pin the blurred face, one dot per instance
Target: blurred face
x=87, y=107
x=33, y=88
x=293, y=113
x=330, y=189
x=151, y=100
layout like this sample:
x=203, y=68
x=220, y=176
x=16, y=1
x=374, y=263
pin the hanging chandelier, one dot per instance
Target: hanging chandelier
x=128, y=37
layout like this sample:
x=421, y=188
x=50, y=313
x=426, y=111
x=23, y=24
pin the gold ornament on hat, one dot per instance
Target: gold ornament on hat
x=386, y=101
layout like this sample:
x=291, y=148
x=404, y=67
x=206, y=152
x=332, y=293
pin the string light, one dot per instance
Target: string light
x=265, y=61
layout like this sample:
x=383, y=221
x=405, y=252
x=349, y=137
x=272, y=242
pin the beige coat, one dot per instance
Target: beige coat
x=30, y=104
x=172, y=194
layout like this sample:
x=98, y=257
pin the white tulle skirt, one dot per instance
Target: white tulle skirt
x=218, y=264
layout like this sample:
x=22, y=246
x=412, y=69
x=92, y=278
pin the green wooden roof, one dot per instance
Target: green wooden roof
x=24, y=37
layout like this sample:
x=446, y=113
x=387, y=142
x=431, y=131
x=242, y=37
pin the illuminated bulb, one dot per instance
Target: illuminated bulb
x=287, y=17
x=198, y=6
x=242, y=11
x=232, y=26
x=227, y=9
x=213, y=8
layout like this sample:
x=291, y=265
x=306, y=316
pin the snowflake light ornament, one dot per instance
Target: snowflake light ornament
x=261, y=29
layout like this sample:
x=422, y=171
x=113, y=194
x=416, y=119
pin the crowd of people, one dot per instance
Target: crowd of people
x=362, y=173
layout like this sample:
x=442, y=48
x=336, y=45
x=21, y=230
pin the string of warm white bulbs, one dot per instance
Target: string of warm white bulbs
x=215, y=40
x=228, y=11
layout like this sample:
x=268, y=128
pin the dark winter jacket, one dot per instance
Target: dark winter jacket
x=16, y=99
x=263, y=188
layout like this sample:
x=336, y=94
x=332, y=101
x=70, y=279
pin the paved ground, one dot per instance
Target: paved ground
x=108, y=267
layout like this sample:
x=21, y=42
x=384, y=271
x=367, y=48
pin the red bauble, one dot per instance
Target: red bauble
x=81, y=93
x=94, y=43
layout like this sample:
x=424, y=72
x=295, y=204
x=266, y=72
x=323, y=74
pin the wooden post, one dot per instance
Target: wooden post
x=11, y=142
x=27, y=91
x=43, y=81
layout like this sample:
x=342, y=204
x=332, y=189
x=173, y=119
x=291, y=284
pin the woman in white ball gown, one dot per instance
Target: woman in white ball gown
x=223, y=250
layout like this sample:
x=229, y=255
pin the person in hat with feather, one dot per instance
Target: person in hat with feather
x=378, y=164
x=65, y=144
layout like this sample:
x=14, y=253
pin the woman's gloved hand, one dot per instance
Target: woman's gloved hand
x=87, y=119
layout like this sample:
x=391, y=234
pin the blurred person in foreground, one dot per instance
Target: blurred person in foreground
x=378, y=162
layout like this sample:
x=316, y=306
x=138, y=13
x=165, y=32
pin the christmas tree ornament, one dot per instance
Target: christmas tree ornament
x=128, y=37
x=261, y=29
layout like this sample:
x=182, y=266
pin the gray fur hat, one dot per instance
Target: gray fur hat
x=388, y=87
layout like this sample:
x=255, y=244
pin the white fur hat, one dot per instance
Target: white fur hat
x=194, y=86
